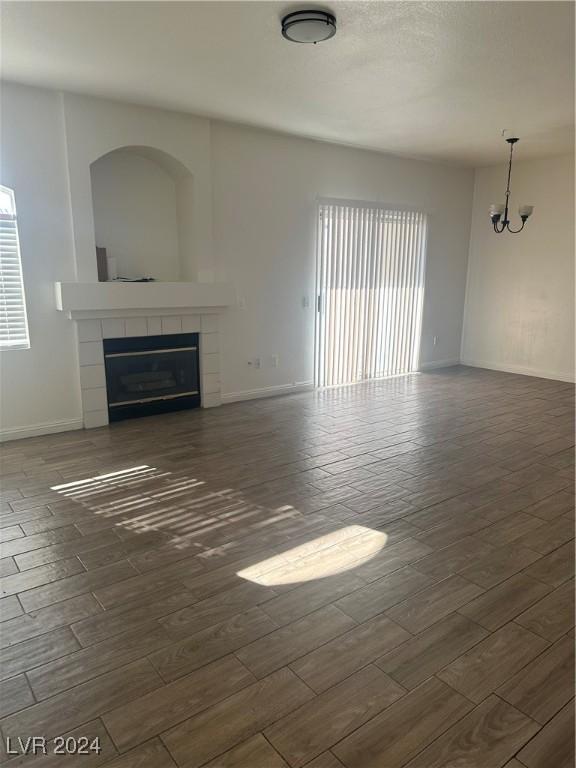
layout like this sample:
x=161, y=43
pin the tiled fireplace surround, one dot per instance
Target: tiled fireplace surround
x=91, y=333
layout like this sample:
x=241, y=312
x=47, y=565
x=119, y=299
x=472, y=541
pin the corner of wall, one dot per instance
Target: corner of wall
x=468, y=268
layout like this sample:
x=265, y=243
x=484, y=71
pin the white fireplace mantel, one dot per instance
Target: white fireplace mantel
x=81, y=300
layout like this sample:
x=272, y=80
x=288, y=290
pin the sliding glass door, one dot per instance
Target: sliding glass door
x=370, y=284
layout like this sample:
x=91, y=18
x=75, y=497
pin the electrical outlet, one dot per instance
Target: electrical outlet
x=257, y=362
x=275, y=361
x=436, y=340
x=305, y=302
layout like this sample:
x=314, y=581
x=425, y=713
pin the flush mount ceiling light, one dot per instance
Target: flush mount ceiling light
x=308, y=26
x=501, y=209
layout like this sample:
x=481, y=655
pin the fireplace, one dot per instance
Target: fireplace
x=151, y=374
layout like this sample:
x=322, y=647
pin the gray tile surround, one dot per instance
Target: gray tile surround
x=91, y=334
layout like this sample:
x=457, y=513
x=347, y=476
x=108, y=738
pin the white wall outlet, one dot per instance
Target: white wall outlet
x=257, y=362
x=435, y=340
x=275, y=361
x=305, y=302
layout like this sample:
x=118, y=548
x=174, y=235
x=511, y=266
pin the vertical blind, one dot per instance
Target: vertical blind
x=370, y=276
x=13, y=321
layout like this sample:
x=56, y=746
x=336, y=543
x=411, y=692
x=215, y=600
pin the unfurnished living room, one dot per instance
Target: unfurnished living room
x=287, y=384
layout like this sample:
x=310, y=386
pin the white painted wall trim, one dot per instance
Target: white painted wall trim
x=34, y=430
x=279, y=389
x=438, y=364
x=522, y=370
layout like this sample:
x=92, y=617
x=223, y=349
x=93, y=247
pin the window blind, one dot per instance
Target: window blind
x=370, y=279
x=13, y=320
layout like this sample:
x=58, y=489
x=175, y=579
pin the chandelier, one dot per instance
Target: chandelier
x=501, y=210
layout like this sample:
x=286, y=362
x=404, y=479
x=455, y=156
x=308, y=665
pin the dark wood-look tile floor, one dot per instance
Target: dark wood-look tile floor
x=369, y=577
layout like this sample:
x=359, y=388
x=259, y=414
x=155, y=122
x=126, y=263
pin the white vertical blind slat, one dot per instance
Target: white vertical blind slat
x=419, y=293
x=344, y=223
x=380, y=292
x=412, y=295
x=406, y=290
x=398, y=233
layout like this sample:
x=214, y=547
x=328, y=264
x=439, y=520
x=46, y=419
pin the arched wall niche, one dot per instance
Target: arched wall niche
x=143, y=209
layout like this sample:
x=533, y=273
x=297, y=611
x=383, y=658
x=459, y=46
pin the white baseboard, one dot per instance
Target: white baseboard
x=438, y=364
x=34, y=430
x=279, y=389
x=520, y=369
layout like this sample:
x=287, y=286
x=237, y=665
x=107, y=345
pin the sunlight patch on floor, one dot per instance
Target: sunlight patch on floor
x=122, y=474
x=143, y=499
x=328, y=555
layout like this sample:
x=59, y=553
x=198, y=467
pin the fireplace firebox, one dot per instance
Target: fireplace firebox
x=151, y=374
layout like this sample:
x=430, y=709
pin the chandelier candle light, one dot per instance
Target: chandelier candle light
x=497, y=211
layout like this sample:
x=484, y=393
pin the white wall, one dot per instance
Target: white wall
x=254, y=197
x=265, y=190
x=519, y=313
x=39, y=387
x=135, y=215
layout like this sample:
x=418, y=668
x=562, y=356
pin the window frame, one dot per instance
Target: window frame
x=16, y=282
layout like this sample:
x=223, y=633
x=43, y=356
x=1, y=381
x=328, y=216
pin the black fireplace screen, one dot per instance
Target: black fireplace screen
x=151, y=374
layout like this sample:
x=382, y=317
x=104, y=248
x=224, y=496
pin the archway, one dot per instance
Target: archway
x=142, y=201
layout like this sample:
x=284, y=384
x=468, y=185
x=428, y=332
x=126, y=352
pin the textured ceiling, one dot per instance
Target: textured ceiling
x=436, y=80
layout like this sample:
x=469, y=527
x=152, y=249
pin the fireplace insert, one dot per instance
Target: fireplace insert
x=151, y=374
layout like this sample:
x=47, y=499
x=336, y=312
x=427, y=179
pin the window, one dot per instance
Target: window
x=370, y=278
x=13, y=321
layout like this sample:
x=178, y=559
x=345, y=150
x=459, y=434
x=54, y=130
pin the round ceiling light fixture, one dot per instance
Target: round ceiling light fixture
x=308, y=26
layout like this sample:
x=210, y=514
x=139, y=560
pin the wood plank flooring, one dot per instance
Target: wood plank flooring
x=375, y=576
